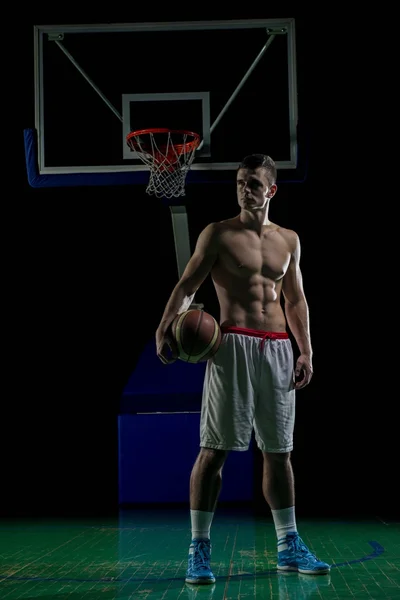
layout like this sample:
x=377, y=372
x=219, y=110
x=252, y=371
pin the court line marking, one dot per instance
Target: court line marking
x=378, y=549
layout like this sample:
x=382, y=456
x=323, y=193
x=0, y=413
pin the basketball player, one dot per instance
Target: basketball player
x=252, y=379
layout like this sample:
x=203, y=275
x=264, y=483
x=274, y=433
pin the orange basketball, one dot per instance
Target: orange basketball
x=197, y=335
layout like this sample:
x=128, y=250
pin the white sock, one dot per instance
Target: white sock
x=201, y=524
x=285, y=521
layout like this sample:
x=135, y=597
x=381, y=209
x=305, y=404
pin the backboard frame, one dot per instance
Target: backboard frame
x=56, y=32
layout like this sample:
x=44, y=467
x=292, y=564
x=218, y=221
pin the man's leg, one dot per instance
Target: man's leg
x=205, y=486
x=279, y=492
x=278, y=480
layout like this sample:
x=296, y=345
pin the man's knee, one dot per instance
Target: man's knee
x=273, y=458
x=212, y=458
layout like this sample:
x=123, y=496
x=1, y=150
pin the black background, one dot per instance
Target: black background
x=87, y=272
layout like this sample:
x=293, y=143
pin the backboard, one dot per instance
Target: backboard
x=234, y=82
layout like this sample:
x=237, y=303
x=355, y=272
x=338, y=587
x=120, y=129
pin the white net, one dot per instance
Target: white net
x=169, y=155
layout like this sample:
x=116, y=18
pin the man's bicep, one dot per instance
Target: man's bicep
x=292, y=283
x=202, y=260
x=293, y=280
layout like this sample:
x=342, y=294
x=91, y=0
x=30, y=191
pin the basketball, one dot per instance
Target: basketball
x=196, y=334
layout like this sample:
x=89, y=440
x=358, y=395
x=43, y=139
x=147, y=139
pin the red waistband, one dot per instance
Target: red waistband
x=272, y=335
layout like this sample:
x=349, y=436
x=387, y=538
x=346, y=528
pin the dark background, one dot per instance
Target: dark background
x=87, y=272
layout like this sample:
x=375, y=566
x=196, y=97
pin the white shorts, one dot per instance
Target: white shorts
x=249, y=384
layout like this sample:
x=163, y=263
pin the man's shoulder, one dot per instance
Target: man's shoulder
x=289, y=235
x=211, y=233
x=219, y=226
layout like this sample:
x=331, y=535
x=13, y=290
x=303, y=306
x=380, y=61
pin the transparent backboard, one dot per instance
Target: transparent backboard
x=233, y=82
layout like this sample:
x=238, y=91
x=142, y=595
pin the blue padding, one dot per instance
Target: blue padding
x=155, y=387
x=156, y=456
x=151, y=376
x=73, y=179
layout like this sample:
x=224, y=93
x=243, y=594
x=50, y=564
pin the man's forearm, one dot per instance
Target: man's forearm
x=297, y=316
x=178, y=302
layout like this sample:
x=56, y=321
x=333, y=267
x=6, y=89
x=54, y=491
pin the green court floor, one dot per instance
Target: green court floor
x=143, y=555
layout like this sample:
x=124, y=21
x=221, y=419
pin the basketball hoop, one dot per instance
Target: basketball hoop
x=169, y=154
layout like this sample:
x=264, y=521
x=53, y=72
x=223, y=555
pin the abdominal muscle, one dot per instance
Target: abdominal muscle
x=252, y=303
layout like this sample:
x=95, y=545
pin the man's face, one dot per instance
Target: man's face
x=253, y=189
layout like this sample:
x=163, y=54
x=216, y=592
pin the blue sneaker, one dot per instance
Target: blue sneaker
x=297, y=557
x=198, y=570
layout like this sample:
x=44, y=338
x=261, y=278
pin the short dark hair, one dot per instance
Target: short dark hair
x=255, y=161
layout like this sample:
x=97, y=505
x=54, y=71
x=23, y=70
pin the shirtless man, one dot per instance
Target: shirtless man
x=252, y=379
